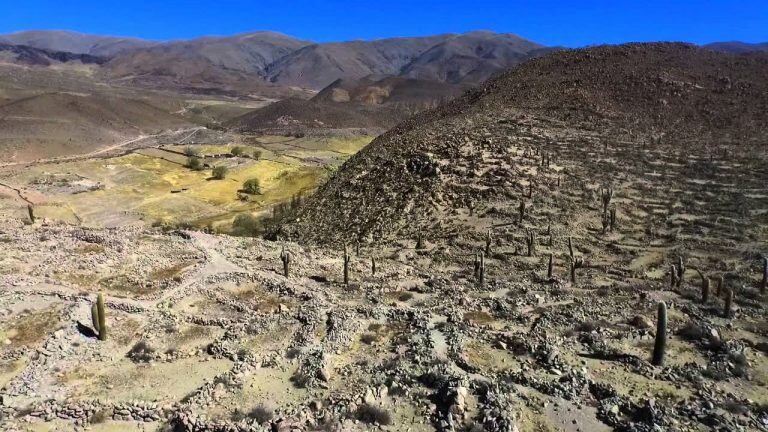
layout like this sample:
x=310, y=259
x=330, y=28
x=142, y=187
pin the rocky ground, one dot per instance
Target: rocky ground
x=206, y=333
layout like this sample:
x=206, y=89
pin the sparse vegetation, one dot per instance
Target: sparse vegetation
x=141, y=352
x=372, y=414
x=194, y=163
x=219, y=172
x=252, y=186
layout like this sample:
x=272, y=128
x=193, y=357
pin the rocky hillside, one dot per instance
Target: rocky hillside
x=26, y=55
x=431, y=173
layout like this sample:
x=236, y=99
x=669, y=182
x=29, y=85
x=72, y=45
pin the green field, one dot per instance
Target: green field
x=153, y=185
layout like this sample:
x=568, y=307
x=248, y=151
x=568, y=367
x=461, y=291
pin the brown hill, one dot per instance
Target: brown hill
x=25, y=55
x=374, y=103
x=390, y=90
x=471, y=58
x=317, y=66
x=57, y=124
x=299, y=116
x=74, y=42
x=211, y=64
x=736, y=47
x=415, y=178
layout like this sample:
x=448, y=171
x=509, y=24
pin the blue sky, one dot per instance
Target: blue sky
x=548, y=22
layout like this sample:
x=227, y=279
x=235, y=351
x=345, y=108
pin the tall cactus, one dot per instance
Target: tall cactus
x=660, y=346
x=346, y=266
x=530, y=241
x=764, y=283
x=285, y=257
x=481, y=270
x=95, y=317
x=606, y=195
x=550, y=266
x=704, y=287
x=576, y=264
x=521, y=210
x=727, y=308
x=680, y=271
x=672, y=276
x=718, y=285
x=612, y=219
x=420, y=241
x=100, y=320
x=31, y=212
x=373, y=266
x=488, y=241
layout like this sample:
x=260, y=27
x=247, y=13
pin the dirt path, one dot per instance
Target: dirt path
x=215, y=263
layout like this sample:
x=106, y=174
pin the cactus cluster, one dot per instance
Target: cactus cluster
x=99, y=317
x=676, y=273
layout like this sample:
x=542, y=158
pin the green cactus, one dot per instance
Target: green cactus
x=550, y=266
x=102, y=317
x=95, y=317
x=530, y=242
x=704, y=287
x=575, y=265
x=420, y=241
x=718, y=285
x=606, y=195
x=346, y=266
x=672, y=276
x=481, y=270
x=660, y=346
x=727, y=308
x=285, y=257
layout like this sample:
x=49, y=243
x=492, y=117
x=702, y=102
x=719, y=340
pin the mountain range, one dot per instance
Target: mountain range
x=252, y=62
